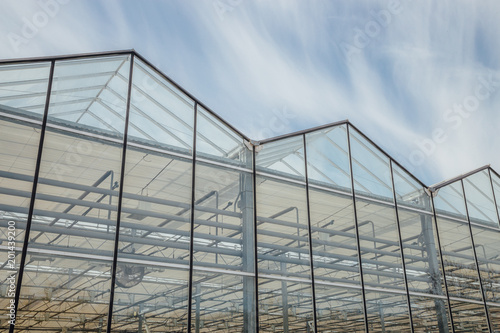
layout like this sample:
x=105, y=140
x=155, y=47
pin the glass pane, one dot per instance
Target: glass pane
x=468, y=317
x=285, y=306
x=216, y=141
x=76, y=199
x=450, y=201
x=156, y=207
x=160, y=114
x=223, y=226
x=340, y=308
x=328, y=158
x=496, y=186
x=460, y=266
x=371, y=169
x=387, y=312
x=77, y=195
x=282, y=230
x=379, y=245
x=23, y=89
x=150, y=298
x=223, y=303
x=480, y=203
x=283, y=157
x=91, y=93
x=409, y=192
x=335, y=254
x=430, y=314
x=422, y=258
x=64, y=293
x=18, y=156
x=488, y=252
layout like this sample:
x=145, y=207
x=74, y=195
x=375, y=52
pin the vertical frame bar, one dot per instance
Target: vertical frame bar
x=475, y=257
x=120, y=196
x=450, y=313
x=310, y=236
x=494, y=196
x=401, y=246
x=357, y=227
x=33, y=195
x=254, y=180
x=191, y=240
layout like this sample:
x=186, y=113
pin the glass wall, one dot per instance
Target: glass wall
x=126, y=205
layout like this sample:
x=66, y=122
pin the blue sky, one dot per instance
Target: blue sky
x=420, y=78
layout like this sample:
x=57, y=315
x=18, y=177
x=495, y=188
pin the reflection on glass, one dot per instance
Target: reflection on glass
x=458, y=258
x=328, y=158
x=156, y=207
x=409, y=192
x=150, y=298
x=91, y=93
x=282, y=230
x=335, y=254
x=223, y=303
x=371, y=169
x=450, y=201
x=379, y=245
x=223, y=225
x=216, y=141
x=285, y=306
x=283, y=158
x=160, y=114
x=23, y=89
x=480, y=203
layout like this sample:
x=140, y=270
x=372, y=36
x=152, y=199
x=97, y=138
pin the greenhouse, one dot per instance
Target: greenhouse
x=127, y=205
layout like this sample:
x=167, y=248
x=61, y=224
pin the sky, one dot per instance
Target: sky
x=420, y=78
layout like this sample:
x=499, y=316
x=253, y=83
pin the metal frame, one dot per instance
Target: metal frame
x=193, y=206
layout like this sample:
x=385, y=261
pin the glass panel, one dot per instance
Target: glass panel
x=282, y=231
x=409, y=192
x=150, y=298
x=223, y=226
x=76, y=201
x=488, y=252
x=23, y=88
x=223, y=303
x=64, y=293
x=387, y=312
x=156, y=207
x=430, y=314
x=92, y=93
x=285, y=306
x=450, y=201
x=422, y=259
x=335, y=254
x=496, y=186
x=371, y=169
x=328, y=158
x=379, y=245
x=160, y=114
x=468, y=317
x=340, y=308
x=283, y=157
x=18, y=156
x=216, y=141
x=480, y=203
x=458, y=258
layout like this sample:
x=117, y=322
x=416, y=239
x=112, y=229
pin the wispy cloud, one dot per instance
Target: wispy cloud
x=263, y=56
